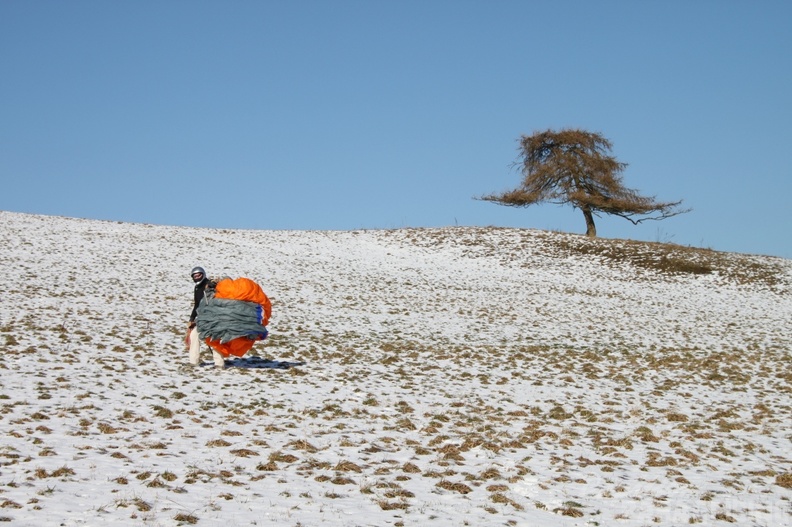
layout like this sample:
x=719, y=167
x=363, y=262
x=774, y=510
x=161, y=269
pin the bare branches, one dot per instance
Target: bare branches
x=574, y=167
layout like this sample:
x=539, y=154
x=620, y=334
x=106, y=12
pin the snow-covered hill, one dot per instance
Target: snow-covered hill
x=458, y=376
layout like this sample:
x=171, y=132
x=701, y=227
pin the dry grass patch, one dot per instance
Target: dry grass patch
x=571, y=509
x=455, y=487
x=156, y=483
x=61, y=472
x=722, y=516
x=280, y=457
x=784, y=480
x=501, y=498
x=490, y=473
x=269, y=466
x=106, y=428
x=342, y=480
x=186, y=518
x=302, y=445
x=410, y=468
x=347, y=466
x=676, y=417
x=392, y=505
x=244, y=452
x=161, y=411
x=231, y=433
x=673, y=259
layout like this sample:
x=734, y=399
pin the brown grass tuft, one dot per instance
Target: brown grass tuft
x=456, y=487
x=784, y=480
x=186, y=518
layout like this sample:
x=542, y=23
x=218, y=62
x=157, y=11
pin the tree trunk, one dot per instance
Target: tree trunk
x=591, y=229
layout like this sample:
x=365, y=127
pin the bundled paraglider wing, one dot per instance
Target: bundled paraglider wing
x=247, y=290
x=233, y=316
x=224, y=320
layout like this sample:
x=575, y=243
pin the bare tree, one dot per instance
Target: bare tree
x=574, y=167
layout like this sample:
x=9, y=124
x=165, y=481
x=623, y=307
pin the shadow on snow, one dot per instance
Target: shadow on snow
x=257, y=363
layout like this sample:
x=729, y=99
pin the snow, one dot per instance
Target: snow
x=458, y=376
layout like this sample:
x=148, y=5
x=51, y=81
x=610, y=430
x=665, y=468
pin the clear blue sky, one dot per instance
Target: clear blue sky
x=349, y=114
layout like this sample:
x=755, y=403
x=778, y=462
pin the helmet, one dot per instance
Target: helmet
x=197, y=270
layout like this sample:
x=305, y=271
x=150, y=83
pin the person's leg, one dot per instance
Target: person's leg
x=219, y=360
x=195, y=347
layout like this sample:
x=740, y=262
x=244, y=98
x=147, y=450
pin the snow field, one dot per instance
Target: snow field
x=452, y=376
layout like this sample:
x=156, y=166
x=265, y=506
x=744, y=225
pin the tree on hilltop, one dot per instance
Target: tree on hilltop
x=574, y=167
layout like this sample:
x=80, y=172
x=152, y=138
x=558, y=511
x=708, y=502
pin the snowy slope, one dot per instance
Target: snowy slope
x=453, y=376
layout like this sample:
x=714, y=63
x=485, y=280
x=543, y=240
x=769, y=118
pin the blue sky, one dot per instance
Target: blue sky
x=351, y=114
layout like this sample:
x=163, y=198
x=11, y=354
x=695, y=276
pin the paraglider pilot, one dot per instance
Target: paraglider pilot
x=193, y=342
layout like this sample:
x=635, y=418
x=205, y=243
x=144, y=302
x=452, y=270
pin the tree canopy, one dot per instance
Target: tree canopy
x=575, y=167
